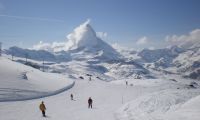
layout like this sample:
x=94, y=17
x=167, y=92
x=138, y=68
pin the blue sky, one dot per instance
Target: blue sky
x=26, y=22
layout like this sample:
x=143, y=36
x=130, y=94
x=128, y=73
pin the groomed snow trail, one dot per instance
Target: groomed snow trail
x=107, y=99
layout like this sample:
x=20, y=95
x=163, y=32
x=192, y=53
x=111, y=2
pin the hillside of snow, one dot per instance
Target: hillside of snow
x=155, y=106
x=189, y=110
x=21, y=82
x=143, y=99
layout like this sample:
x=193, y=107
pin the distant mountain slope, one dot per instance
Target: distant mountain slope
x=38, y=54
x=154, y=55
x=189, y=63
x=184, y=61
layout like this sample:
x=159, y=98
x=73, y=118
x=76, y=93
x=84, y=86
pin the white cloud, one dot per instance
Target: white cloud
x=118, y=46
x=59, y=46
x=121, y=48
x=126, y=51
x=84, y=31
x=187, y=40
x=142, y=41
x=102, y=35
x=51, y=47
x=83, y=35
x=42, y=46
x=151, y=48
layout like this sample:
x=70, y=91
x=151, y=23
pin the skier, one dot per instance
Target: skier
x=43, y=108
x=71, y=97
x=90, y=102
x=126, y=83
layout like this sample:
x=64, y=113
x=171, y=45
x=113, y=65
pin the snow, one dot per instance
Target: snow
x=20, y=82
x=189, y=110
x=166, y=98
x=106, y=101
x=147, y=99
x=154, y=106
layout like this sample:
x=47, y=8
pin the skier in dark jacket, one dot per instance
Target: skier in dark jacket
x=90, y=102
x=126, y=83
x=71, y=97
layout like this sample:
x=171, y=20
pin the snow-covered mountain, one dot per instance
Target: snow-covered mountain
x=179, y=60
x=167, y=54
x=86, y=50
x=83, y=43
x=188, y=62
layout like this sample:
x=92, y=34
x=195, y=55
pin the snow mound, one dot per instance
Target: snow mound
x=154, y=106
x=20, y=82
x=188, y=111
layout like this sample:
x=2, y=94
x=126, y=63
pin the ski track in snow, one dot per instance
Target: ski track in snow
x=20, y=93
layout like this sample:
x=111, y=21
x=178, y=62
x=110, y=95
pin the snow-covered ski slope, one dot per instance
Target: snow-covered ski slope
x=144, y=99
x=21, y=82
x=188, y=111
x=155, y=91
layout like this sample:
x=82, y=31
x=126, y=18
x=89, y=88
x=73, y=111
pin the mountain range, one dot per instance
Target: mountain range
x=90, y=52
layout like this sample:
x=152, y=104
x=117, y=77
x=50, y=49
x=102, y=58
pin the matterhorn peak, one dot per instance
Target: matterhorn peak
x=84, y=41
x=82, y=36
